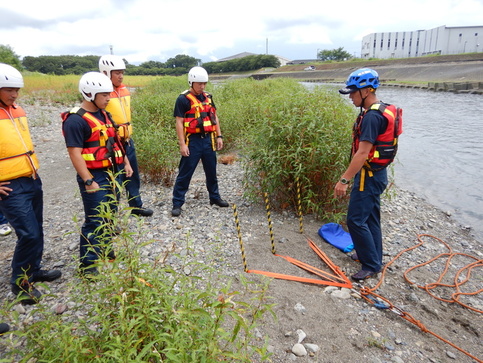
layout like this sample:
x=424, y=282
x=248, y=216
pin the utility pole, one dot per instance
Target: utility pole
x=266, y=47
x=110, y=47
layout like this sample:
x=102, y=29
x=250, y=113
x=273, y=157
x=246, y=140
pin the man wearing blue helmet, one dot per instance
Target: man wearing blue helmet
x=373, y=149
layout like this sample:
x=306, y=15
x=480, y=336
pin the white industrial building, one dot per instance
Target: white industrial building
x=442, y=40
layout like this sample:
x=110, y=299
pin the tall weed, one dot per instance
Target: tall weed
x=139, y=310
x=155, y=133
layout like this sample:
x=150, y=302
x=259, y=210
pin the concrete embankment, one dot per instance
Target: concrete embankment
x=462, y=74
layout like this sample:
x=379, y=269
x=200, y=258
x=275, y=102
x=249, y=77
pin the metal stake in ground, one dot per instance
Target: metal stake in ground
x=269, y=218
x=237, y=224
x=299, y=204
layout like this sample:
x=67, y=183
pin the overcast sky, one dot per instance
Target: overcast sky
x=142, y=30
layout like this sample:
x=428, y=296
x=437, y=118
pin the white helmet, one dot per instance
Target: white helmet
x=93, y=83
x=108, y=63
x=197, y=74
x=10, y=77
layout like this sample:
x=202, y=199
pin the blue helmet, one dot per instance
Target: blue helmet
x=362, y=78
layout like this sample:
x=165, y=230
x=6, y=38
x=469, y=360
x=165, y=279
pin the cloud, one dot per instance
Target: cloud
x=140, y=31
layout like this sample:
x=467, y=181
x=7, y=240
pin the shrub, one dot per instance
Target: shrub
x=155, y=132
x=144, y=311
x=287, y=135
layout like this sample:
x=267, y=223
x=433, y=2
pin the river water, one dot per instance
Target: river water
x=441, y=150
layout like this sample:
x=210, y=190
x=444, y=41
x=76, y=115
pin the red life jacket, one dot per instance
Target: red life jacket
x=201, y=118
x=103, y=148
x=384, y=149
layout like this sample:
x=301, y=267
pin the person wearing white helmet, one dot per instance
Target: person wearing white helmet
x=95, y=150
x=374, y=146
x=199, y=137
x=21, y=195
x=119, y=107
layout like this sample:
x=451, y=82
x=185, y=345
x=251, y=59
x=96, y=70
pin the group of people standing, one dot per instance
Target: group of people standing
x=98, y=137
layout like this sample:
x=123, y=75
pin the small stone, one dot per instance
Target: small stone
x=300, y=308
x=330, y=289
x=19, y=308
x=312, y=348
x=301, y=335
x=299, y=350
x=60, y=308
x=450, y=354
x=341, y=294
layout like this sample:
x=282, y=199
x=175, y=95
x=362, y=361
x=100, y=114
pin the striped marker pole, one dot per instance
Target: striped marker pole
x=269, y=218
x=237, y=224
x=299, y=205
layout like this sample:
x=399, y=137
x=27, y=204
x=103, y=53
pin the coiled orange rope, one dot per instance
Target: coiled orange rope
x=369, y=293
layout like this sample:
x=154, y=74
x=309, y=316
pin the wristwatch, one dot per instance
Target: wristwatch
x=89, y=181
x=344, y=181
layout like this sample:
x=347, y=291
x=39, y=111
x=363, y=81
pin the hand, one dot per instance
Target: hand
x=219, y=143
x=128, y=170
x=340, y=190
x=3, y=189
x=94, y=187
x=184, y=150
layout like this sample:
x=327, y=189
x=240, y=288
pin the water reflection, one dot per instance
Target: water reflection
x=441, y=152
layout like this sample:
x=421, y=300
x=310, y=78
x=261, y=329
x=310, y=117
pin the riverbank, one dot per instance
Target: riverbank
x=339, y=326
x=458, y=73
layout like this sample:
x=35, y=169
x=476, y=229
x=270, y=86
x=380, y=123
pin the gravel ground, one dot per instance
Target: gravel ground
x=338, y=326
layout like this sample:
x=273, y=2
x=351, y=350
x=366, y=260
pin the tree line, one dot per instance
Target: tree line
x=180, y=64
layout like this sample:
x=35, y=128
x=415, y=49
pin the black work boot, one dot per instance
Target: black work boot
x=26, y=293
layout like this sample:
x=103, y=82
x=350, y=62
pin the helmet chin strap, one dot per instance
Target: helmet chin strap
x=363, y=101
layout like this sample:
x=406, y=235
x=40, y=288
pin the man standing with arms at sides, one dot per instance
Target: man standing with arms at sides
x=120, y=109
x=96, y=152
x=199, y=137
x=373, y=149
x=21, y=195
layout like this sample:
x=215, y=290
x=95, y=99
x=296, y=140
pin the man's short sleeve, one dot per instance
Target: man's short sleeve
x=181, y=106
x=76, y=131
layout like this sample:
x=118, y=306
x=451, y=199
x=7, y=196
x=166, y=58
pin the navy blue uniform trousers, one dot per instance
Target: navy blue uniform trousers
x=23, y=208
x=94, y=237
x=200, y=148
x=133, y=183
x=364, y=219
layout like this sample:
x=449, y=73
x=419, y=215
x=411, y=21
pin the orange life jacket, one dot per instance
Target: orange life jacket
x=201, y=118
x=384, y=149
x=17, y=156
x=119, y=107
x=103, y=148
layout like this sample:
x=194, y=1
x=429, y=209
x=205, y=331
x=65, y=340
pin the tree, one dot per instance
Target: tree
x=338, y=54
x=248, y=63
x=182, y=61
x=8, y=56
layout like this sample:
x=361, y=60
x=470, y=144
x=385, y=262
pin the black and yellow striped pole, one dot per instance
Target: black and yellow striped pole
x=299, y=205
x=269, y=218
x=237, y=224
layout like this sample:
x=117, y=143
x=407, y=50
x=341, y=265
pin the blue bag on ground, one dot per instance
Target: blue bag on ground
x=334, y=234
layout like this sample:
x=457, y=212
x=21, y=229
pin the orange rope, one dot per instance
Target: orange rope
x=370, y=296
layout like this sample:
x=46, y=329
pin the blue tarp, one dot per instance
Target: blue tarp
x=334, y=234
